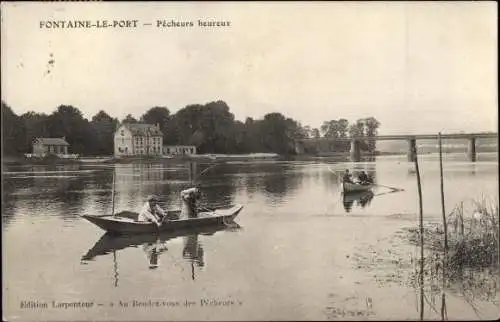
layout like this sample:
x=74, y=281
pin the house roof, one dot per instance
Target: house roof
x=52, y=141
x=142, y=129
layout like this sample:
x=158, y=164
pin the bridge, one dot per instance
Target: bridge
x=355, y=152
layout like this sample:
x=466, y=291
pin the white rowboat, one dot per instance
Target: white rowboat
x=348, y=187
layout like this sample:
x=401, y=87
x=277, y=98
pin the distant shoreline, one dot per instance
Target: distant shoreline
x=18, y=160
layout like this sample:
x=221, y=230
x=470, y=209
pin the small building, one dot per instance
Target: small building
x=45, y=146
x=133, y=139
x=179, y=150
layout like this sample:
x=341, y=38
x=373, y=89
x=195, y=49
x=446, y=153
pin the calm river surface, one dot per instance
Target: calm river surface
x=301, y=251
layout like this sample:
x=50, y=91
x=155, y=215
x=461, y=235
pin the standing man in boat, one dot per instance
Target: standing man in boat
x=347, y=176
x=152, y=212
x=189, y=199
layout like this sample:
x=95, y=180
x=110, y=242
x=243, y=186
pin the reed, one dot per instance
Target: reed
x=480, y=245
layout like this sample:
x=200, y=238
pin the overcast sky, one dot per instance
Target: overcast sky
x=417, y=67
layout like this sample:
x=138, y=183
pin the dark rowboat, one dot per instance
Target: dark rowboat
x=126, y=222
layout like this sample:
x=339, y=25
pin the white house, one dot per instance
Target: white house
x=179, y=149
x=45, y=146
x=138, y=139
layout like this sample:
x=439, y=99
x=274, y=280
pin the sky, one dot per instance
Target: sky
x=417, y=67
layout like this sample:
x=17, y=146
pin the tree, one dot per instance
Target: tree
x=129, y=119
x=329, y=129
x=342, y=127
x=13, y=132
x=335, y=128
x=371, y=126
x=210, y=126
x=279, y=133
x=157, y=115
x=104, y=127
x=367, y=127
x=217, y=125
x=36, y=125
x=315, y=133
x=357, y=129
x=67, y=121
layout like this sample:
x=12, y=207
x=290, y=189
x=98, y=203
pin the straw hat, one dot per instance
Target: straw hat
x=152, y=198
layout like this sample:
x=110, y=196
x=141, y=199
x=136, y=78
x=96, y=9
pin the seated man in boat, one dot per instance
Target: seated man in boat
x=364, y=178
x=347, y=176
x=152, y=212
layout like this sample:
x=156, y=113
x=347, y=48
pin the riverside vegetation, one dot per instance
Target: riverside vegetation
x=211, y=127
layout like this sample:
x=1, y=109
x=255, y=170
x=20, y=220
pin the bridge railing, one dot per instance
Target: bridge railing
x=408, y=137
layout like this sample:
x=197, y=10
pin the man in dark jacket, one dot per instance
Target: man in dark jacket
x=347, y=176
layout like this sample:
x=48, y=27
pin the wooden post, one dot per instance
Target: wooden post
x=445, y=228
x=412, y=148
x=443, y=212
x=421, y=224
x=113, y=195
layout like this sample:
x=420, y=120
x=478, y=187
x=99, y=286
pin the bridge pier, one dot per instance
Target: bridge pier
x=471, y=150
x=299, y=147
x=412, y=148
x=355, y=152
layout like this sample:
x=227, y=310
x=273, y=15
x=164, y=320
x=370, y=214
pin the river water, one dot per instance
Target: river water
x=300, y=251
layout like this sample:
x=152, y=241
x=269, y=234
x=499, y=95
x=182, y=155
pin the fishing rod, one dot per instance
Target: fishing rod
x=201, y=173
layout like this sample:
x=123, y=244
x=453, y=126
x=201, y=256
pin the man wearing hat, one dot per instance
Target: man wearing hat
x=152, y=212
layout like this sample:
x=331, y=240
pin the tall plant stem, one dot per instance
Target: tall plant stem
x=421, y=224
x=443, y=212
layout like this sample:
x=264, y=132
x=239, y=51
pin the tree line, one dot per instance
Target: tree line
x=211, y=127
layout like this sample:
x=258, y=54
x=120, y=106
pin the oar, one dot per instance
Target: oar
x=389, y=187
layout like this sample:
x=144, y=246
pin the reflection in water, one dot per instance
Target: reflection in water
x=193, y=252
x=153, y=246
x=32, y=209
x=362, y=199
x=153, y=250
x=115, y=268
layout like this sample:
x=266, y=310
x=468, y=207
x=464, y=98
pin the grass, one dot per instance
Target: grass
x=474, y=233
x=472, y=261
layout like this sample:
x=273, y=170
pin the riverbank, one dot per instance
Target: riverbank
x=16, y=160
x=13, y=160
